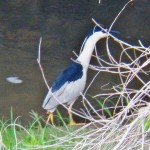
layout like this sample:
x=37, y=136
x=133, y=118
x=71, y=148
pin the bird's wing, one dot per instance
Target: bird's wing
x=72, y=73
x=51, y=100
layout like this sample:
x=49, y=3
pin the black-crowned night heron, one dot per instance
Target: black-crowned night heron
x=70, y=83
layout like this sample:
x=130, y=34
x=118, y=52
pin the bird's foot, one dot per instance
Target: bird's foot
x=73, y=123
x=50, y=118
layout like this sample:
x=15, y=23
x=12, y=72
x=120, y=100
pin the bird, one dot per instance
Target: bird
x=71, y=82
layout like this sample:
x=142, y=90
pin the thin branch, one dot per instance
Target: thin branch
x=39, y=63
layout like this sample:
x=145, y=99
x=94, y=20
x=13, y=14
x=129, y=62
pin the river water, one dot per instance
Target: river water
x=63, y=26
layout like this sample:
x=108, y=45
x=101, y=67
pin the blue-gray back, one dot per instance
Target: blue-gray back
x=72, y=73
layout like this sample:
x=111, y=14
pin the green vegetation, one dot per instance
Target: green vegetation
x=104, y=107
x=36, y=135
x=147, y=124
x=39, y=135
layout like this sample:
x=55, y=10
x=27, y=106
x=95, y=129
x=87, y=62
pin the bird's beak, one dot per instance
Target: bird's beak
x=114, y=31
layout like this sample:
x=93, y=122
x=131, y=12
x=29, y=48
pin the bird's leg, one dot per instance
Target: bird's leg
x=71, y=121
x=50, y=118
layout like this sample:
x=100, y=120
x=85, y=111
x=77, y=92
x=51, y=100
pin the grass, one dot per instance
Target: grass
x=34, y=135
x=147, y=124
x=104, y=107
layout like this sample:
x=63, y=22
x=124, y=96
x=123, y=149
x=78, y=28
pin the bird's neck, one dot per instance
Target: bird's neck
x=85, y=56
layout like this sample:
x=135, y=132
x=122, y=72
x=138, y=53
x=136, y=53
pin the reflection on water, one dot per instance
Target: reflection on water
x=14, y=80
x=63, y=25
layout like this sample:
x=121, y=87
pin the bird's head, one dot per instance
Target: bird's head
x=89, y=43
x=96, y=34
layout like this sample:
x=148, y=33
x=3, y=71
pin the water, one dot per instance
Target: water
x=63, y=26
